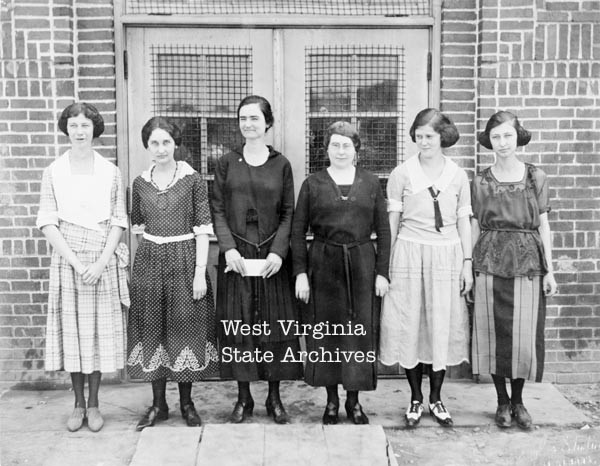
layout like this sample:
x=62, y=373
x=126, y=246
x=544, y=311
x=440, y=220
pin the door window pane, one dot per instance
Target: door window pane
x=361, y=85
x=200, y=88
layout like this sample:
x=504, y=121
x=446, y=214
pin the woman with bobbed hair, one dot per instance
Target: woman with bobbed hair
x=512, y=259
x=424, y=323
x=341, y=277
x=171, y=328
x=253, y=204
x=82, y=214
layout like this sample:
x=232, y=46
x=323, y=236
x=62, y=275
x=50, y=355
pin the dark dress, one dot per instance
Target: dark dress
x=169, y=334
x=509, y=263
x=342, y=264
x=253, y=206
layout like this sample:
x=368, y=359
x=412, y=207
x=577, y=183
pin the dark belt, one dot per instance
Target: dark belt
x=257, y=246
x=347, y=266
x=512, y=230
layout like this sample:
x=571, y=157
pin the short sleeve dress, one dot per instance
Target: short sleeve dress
x=169, y=334
x=85, y=324
x=509, y=264
x=424, y=318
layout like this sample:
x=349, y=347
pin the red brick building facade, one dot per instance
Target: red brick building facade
x=538, y=58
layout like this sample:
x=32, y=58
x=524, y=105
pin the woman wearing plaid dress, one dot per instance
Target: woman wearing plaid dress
x=82, y=215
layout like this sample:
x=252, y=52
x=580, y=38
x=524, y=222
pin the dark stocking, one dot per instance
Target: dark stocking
x=436, y=379
x=185, y=393
x=351, y=397
x=516, y=391
x=500, y=384
x=78, y=381
x=273, y=391
x=159, y=387
x=93, y=387
x=415, y=377
x=332, y=395
x=244, y=395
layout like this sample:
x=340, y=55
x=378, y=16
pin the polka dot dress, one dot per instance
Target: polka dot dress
x=169, y=334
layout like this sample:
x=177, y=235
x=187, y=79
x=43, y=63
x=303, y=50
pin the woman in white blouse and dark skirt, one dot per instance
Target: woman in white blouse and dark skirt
x=82, y=215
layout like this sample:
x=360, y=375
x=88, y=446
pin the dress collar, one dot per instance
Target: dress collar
x=183, y=169
x=419, y=181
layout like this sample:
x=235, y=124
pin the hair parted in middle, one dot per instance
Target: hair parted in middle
x=440, y=123
x=263, y=104
x=85, y=109
x=343, y=128
x=159, y=122
x=498, y=118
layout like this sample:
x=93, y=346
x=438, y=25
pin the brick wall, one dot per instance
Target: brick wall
x=538, y=58
x=541, y=59
x=52, y=54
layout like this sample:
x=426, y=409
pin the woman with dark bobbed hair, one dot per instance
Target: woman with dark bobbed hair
x=341, y=276
x=253, y=204
x=171, y=328
x=424, y=323
x=512, y=259
x=82, y=214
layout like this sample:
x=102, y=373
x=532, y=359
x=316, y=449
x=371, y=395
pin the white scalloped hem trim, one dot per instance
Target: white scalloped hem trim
x=186, y=360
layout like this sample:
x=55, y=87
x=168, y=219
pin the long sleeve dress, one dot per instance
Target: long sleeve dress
x=424, y=318
x=509, y=263
x=252, y=212
x=342, y=265
x=85, y=324
x=170, y=334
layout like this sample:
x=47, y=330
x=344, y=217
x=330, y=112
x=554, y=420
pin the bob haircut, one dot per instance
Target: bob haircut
x=85, y=109
x=498, y=118
x=440, y=123
x=263, y=104
x=163, y=123
x=343, y=128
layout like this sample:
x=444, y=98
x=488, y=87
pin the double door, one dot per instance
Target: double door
x=374, y=78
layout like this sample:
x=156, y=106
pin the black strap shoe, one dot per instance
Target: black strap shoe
x=276, y=410
x=330, y=416
x=356, y=414
x=241, y=411
x=521, y=415
x=503, y=418
x=153, y=414
x=189, y=413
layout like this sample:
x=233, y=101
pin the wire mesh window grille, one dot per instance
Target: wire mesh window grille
x=199, y=88
x=364, y=86
x=291, y=7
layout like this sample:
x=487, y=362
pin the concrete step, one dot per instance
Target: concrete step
x=264, y=445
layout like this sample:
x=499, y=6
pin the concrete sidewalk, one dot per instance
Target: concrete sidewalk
x=33, y=432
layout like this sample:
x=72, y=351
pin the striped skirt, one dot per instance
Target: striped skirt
x=508, y=326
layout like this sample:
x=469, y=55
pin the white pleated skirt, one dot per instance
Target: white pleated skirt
x=424, y=319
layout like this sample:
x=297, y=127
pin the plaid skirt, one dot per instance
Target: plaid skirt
x=85, y=326
x=508, y=326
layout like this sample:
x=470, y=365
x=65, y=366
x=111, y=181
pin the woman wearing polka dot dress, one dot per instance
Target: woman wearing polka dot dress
x=253, y=203
x=171, y=321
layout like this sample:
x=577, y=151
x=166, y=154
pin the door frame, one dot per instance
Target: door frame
x=276, y=22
